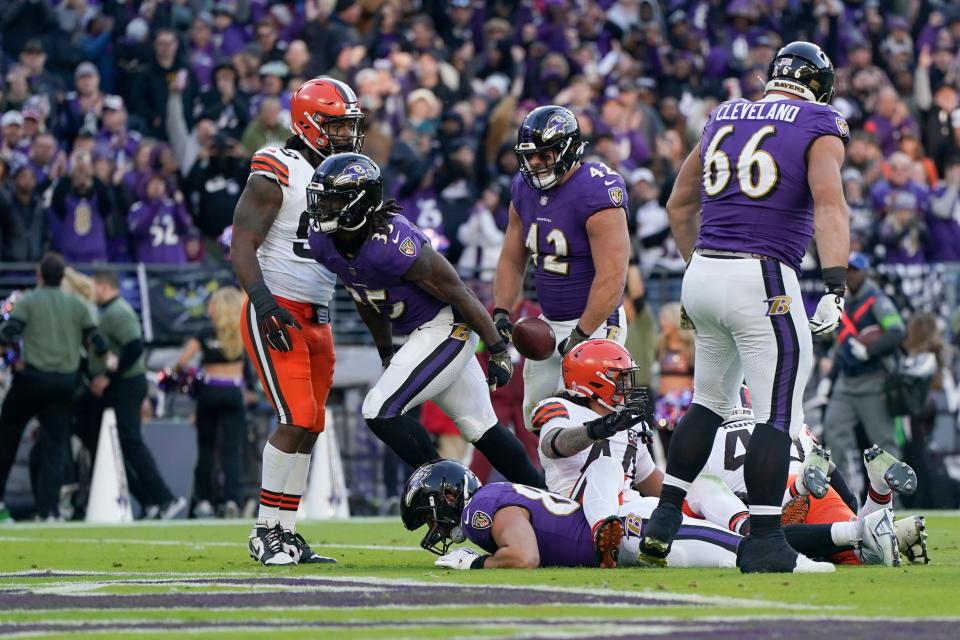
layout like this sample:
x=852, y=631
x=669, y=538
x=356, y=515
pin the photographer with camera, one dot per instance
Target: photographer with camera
x=214, y=183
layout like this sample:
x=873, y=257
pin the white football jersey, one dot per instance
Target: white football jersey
x=730, y=451
x=289, y=269
x=562, y=473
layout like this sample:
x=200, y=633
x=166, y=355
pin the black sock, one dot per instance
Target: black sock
x=765, y=474
x=406, y=437
x=689, y=450
x=839, y=483
x=507, y=455
x=812, y=540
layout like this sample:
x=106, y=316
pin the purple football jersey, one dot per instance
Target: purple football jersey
x=555, y=234
x=563, y=535
x=375, y=276
x=754, y=189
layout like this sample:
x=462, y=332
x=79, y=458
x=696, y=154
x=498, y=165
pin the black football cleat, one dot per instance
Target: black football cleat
x=300, y=551
x=772, y=554
x=658, y=535
x=606, y=542
x=266, y=546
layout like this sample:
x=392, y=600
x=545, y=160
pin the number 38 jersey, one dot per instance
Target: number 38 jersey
x=289, y=269
x=555, y=233
x=754, y=192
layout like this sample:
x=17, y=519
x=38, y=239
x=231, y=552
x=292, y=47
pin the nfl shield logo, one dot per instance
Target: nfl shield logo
x=616, y=195
x=407, y=248
x=843, y=127
x=480, y=520
x=543, y=201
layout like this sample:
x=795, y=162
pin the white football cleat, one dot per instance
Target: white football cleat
x=266, y=546
x=911, y=535
x=878, y=544
x=806, y=565
x=883, y=468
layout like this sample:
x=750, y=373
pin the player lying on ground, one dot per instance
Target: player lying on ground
x=402, y=286
x=525, y=527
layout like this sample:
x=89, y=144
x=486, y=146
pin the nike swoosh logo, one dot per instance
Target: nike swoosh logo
x=608, y=182
x=397, y=238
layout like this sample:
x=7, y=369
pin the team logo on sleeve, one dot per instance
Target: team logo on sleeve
x=843, y=127
x=616, y=195
x=778, y=305
x=554, y=127
x=352, y=174
x=480, y=520
x=407, y=248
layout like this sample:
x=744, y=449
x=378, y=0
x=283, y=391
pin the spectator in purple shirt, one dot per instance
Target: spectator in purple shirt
x=900, y=180
x=903, y=233
x=114, y=135
x=202, y=50
x=158, y=225
x=943, y=215
x=892, y=117
x=229, y=37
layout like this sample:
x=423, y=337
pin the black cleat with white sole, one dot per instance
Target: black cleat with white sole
x=658, y=535
x=298, y=548
x=266, y=546
x=772, y=554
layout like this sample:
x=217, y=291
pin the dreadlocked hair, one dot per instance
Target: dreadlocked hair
x=380, y=218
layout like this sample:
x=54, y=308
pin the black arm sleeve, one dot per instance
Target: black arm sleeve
x=11, y=330
x=128, y=355
x=95, y=340
x=838, y=482
x=58, y=200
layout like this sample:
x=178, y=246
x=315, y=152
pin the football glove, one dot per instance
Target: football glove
x=501, y=320
x=859, y=350
x=272, y=319
x=459, y=559
x=500, y=367
x=827, y=316
x=612, y=423
x=576, y=337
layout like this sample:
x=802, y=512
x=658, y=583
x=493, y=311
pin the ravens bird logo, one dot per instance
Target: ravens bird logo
x=555, y=126
x=352, y=174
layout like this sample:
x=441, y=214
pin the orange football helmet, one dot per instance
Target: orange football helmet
x=603, y=371
x=324, y=113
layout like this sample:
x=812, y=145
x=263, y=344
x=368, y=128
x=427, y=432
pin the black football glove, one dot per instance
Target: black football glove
x=272, y=319
x=500, y=367
x=613, y=423
x=501, y=320
x=576, y=337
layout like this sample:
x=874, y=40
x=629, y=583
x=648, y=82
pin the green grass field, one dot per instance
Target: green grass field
x=196, y=580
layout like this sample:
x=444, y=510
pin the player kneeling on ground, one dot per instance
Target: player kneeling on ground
x=401, y=285
x=525, y=527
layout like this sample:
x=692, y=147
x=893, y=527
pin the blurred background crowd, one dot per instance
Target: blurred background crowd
x=127, y=127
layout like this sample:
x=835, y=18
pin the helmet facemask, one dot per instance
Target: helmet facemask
x=616, y=390
x=335, y=134
x=332, y=211
x=443, y=521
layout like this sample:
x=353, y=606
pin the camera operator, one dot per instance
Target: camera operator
x=214, y=184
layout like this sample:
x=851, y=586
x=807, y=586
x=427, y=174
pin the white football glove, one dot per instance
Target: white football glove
x=859, y=350
x=827, y=316
x=460, y=559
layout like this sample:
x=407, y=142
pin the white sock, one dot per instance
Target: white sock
x=876, y=500
x=799, y=486
x=845, y=533
x=277, y=466
x=293, y=491
x=602, y=486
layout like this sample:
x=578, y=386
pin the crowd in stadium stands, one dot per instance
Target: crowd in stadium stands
x=126, y=126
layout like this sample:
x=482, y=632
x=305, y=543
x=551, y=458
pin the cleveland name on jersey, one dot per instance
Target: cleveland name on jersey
x=754, y=191
x=555, y=234
x=289, y=269
x=562, y=474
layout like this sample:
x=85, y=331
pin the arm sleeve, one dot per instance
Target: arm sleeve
x=58, y=201
x=128, y=356
x=604, y=192
x=95, y=340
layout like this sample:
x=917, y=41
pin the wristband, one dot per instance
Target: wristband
x=497, y=347
x=580, y=332
x=499, y=310
x=835, y=279
x=479, y=562
x=260, y=295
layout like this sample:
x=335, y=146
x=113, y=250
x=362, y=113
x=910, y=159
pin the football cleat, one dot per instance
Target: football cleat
x=174, y=508
x=814, y=472
x=772, y=554
x=607, y=537
x=911, y=535
x=796, y=510
x=878, y=544
x=661, y=528
x=883, y=468
x=300, y=551
x=203, y=510
x=266, y=546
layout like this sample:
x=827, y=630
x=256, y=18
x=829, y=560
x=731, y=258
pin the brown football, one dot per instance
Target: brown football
x=870, y=334
x=534, y=338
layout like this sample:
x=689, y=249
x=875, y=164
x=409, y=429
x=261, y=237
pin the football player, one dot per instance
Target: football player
x=600, y=413
x=402, y=286
x=568, y=219
x=526, y=527
x=285, y=328
x=763, y=181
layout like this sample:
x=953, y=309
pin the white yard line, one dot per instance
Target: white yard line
x=191, y=543
x=192, y=523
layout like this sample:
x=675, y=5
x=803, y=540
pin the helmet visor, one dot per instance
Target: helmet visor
x=344, y=133
x=326, y=207
x=629, y=392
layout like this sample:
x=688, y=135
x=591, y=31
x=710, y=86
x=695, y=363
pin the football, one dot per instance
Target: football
x=870, y=334
x=534, y=338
